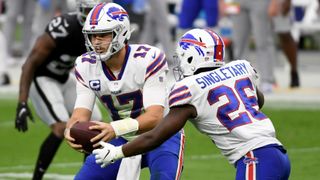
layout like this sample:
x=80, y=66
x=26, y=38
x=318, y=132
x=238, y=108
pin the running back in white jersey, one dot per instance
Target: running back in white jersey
x=139, y=84
x=227, y=108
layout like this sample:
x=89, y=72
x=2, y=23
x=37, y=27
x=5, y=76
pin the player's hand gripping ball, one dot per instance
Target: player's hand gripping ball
x=82, y=134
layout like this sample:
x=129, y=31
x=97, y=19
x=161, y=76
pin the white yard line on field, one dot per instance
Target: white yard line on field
x=6, y=176
x=26, y=167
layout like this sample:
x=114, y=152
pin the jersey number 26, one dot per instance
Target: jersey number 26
x=230, y=114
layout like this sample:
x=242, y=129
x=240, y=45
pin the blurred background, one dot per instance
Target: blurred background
x=19, y=31
x=292, y=96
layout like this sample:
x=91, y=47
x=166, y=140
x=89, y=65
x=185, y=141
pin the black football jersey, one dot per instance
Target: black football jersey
x=66, y=31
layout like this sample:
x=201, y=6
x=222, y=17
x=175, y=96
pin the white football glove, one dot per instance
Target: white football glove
x=107, y=154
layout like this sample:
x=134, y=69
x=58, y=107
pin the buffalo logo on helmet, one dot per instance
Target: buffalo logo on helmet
x=189, y=40
x=117, y=13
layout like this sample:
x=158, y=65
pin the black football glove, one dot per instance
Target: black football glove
x=23, y=112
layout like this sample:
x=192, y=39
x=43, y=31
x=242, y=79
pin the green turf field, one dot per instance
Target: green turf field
x=297, y=129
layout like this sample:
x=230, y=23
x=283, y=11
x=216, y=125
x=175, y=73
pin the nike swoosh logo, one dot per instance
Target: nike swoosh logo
x=22, y=112
x=107, y=154
x=154, y=55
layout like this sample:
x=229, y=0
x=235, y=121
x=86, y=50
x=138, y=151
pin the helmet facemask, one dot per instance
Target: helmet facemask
x=177, y=71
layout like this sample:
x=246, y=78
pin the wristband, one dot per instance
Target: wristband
x=125, y=126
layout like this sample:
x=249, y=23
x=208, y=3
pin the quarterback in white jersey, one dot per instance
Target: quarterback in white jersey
x=130, y=81
x=138, y=85
x=222, y=101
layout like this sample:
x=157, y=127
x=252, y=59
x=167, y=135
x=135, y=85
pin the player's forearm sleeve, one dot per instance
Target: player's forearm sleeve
x=85, y=97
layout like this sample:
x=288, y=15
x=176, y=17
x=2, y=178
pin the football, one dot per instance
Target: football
x=82, y=134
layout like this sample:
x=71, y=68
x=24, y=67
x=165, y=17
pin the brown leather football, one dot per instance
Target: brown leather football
x=82, y=134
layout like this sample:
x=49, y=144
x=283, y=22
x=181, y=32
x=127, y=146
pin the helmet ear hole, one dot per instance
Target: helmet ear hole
x=190, y=59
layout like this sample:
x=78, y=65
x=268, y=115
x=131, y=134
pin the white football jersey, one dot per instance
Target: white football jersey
x=227, y=108
x=140, y=83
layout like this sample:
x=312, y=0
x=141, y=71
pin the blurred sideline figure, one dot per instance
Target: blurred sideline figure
x=157, y=28
x=253, y=18
x=190, y=10
x=4, y=76
x=213, y=12
x=15, y=9
x=279, y=10
x=223, y=102
x=46, y=78
x=45, y=11
x=136, y=10
x=130, y=81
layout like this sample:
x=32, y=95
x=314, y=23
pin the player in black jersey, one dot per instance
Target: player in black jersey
x=46, y=78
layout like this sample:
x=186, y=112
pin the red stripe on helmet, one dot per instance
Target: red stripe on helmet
x=95, y=14
x=193, y=42
x=217, y=38
x=219, y=45
x=119, y=12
